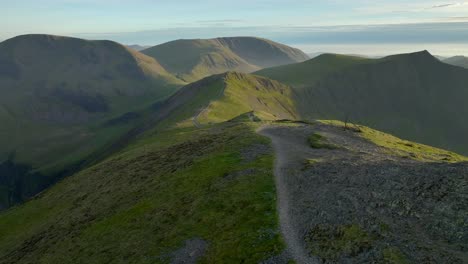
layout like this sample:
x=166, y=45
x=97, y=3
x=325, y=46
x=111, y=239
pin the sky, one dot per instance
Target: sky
x=369, y=27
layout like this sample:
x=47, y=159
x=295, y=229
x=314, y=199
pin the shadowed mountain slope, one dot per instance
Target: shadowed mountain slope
x=55, y=94
x=192, y=60
x=414, y=96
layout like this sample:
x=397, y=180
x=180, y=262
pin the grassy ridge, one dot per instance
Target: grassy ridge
x=244, y=93
x=143, y=203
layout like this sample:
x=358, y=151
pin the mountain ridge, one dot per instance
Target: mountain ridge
x=193, y=59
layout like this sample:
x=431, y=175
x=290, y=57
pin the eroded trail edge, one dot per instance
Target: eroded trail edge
x=357, y=203
x=290, y=152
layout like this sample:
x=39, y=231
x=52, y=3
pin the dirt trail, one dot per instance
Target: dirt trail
x=361, y=184
x=290, y=153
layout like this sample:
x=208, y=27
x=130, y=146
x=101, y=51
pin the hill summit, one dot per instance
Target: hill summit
x=193, y=59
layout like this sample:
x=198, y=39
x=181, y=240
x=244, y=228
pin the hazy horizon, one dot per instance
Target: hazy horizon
x=369, y=28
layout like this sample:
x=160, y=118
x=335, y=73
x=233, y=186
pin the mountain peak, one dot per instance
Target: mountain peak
x=423, y=55
x=195, y=59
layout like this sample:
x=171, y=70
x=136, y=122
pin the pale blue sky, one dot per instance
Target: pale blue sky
x=296, y=22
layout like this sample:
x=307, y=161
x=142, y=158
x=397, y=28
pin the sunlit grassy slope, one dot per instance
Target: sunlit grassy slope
x=192, y=60
x=413, y=96
x=400, y=147
x=223, y=97
x=143, y=203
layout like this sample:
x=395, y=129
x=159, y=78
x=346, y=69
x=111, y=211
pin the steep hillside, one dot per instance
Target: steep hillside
x=192, y=60
x=181, y=195
x=56, y=92
x=461, y=61
x=175, y=195
x=225, y=97
x=414, y=96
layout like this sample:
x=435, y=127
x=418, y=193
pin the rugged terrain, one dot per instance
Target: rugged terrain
x=348, y=200
x=194, y=59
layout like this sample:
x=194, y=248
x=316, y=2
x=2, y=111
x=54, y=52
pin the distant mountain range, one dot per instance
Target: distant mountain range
x=460, y=61
x=191, y=60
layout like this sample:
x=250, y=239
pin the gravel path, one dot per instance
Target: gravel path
x=401, y=206
x=290, y=151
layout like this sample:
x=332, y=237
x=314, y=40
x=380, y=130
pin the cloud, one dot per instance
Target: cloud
x=456, y=19
x=220, y=21
x=442, y=6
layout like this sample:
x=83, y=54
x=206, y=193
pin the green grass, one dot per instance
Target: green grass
x=394, y=256
x=331, y=242
x=404, y=148
x=144, y=202
x=269, y=100
x=318, y=141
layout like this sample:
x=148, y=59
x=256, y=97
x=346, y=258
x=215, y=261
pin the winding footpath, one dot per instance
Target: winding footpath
x=291, y=151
